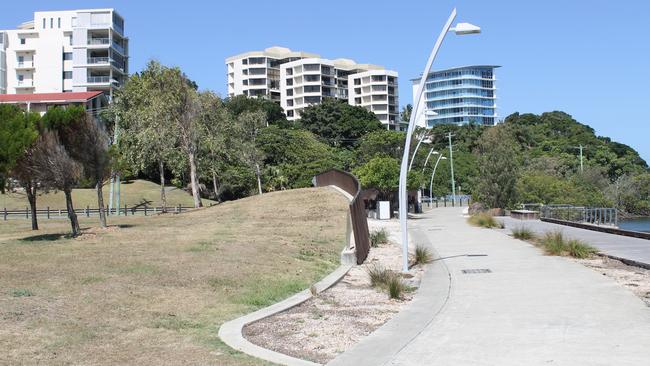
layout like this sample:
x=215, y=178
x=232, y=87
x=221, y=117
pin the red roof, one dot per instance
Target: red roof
x=49, y=97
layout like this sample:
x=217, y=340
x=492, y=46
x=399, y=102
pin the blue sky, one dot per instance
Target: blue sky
x=590, y=59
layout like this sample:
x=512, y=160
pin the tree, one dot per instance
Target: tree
x=380, y=143
x=405, y=114
x=250, y=124
x=53, y=167
x=497, y=162
x=17, y=133
x=274, y=113
x=147, y=135
x=338, y=123
x=381, y=173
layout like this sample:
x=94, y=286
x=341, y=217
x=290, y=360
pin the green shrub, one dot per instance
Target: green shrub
x=378, y=237
x=21, y=292
x=484, y=220
x=578, y=249
x=422, y=255
x=396, y=287
x=523, y=233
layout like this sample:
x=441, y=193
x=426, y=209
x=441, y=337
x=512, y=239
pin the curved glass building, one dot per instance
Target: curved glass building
x=459, y=95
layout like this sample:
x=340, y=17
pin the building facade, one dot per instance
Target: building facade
x=460, y=95
x=297, y=79
x=65, y=51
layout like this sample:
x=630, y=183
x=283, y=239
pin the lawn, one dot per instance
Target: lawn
x=154, y=290
x=132, y=193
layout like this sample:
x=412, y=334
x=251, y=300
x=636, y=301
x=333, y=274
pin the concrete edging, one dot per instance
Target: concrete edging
x=230, y=332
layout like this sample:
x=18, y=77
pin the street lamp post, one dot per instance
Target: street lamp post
x=432, y=175
x=460, y=29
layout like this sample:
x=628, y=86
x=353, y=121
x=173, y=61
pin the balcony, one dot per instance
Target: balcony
x=119, y=48
x=98, y=60
x=99, y=79
x=99, y=41
x=25, y=84
x=25, y=65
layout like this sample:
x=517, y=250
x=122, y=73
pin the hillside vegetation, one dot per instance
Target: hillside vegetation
x=154, y=290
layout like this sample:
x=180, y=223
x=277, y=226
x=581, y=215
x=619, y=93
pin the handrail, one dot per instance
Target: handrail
x=358, y=218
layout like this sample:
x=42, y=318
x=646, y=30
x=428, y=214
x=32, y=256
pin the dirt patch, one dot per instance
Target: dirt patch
x=633, y=278
x=338, y=318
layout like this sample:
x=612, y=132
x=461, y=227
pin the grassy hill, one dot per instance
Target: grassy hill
x=132, y=193
x=154, y=290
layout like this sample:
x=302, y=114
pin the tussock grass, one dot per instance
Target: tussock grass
x=378, y=237
x=387, y=280
x=556, y=244
x=21, y=292
x=422, y=255
x=484, y=220
x=523, y=233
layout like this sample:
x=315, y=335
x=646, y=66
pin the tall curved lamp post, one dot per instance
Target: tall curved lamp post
x=433, y=175
x=460, y=29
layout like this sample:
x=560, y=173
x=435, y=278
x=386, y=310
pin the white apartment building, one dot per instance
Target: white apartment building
x=257, y=73
x=65, y=51
x=298, y=79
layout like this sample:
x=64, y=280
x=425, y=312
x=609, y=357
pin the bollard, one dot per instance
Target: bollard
x=445, y=200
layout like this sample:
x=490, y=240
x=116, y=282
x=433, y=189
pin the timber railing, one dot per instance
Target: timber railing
x=358, y=217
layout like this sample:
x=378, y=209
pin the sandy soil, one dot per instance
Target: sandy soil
x=635, y=279
x=338, y=318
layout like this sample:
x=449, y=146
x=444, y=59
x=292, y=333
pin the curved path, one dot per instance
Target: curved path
x=530, y=309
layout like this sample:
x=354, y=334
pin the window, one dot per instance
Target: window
x=21, y=59
x=289, y=92
x=51, y=22
x=289, y=113
x=59, y=22
x=67, y=75
x=22, y=41
x=289, y=102
x=67, y=91
x=21, y=77
x=43, y=23
x=67, y=56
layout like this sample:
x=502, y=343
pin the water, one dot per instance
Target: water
x=640, y=224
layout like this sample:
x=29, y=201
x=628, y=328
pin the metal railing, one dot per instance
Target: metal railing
x=99, y=79
x=587, y=215
x=26, y=83
x=357, y=215
x=98, y=60
x=99, y=41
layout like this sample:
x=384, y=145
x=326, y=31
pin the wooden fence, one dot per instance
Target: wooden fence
x=49, y=213
x=358, y=217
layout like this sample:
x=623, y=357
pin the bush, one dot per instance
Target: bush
x=555, y=244
x=422, y=255
x=395, y=287
x=484, y=220
x=578, y=249
x=523, y=233
x=378, y=237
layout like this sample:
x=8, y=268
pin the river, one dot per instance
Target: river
x=638, y=224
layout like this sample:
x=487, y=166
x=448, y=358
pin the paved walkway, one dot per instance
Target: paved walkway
x=530, y=309
x=634, y=249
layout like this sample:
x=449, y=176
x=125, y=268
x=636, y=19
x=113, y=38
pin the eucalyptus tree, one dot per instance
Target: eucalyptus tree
x=250, y=125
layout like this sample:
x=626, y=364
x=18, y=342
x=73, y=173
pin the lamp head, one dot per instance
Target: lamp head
x=466, y=28
x=443, y=158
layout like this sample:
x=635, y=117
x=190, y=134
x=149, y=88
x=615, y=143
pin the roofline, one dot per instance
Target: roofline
x=270, y=54
x=458, y=68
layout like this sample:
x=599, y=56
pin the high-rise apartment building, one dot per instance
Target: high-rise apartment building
x=298, y=79
x=65, y=51
x=460, y=96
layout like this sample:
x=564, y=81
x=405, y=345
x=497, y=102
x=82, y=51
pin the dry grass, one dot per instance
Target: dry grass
x=132, y=193
x=484, y=220
x=155, y=290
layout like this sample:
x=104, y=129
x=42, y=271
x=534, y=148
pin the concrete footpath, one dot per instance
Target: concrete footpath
x=526, y=309
x=618, y=246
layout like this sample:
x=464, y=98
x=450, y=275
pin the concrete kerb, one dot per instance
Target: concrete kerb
x=231, y=332
x=383, y=344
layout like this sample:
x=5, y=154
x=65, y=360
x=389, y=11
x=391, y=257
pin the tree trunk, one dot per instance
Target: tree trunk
x=194, y=182
x=3, y=182
x=163, y=197
x=74, y=223
x=100, y=203
x=30, y=189
x=259, y=179
x=215, y=186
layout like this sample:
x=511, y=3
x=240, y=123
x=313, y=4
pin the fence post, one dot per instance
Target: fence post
x=87, y=211
x=179, y=208
x=436, y=203
x=125, y=210
x=26, y=213
x=145, y=210
x=48, y=212
x=59, y=212
x=5, y=215
x=445, y=200
x=154, y=210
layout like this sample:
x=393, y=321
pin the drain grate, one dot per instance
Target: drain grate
x=477, y=270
